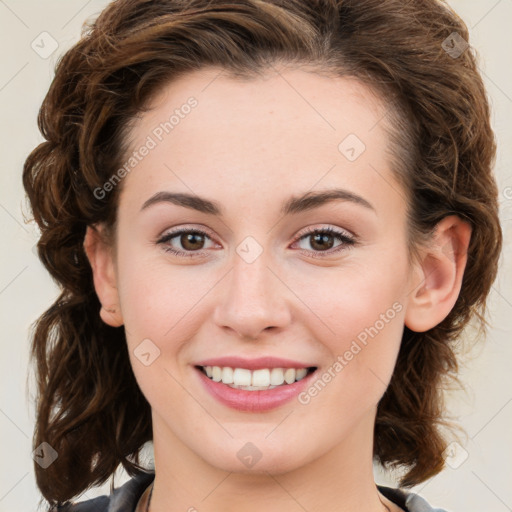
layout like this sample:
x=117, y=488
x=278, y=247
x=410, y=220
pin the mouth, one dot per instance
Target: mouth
x=256, y=390
x=262, y=379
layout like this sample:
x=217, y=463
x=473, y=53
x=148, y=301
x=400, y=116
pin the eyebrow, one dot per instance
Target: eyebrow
x=294, y=205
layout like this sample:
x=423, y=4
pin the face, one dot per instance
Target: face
x=247, y=283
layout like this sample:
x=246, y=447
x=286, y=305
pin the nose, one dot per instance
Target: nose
x=252, y=300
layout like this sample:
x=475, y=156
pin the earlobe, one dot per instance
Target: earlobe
x=100, y=257
x=438, y=275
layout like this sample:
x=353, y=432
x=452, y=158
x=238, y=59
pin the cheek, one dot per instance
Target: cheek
x=369, y=314
x=158, y=298
x=351, y=300
x=362, y=311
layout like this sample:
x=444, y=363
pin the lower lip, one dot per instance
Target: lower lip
x=254, y=401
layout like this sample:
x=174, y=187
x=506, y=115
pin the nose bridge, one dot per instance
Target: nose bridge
x=251, y=279
x=254, y=297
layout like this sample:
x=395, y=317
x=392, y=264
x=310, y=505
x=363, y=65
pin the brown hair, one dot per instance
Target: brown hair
x=89, y=406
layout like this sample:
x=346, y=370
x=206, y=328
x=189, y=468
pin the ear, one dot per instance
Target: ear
x=101, y=258
x=437, y=277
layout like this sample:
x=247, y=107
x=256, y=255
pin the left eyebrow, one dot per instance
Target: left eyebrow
x=305, y=202
x=186, y=200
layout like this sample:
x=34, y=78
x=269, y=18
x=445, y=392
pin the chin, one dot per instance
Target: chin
x=256, y=457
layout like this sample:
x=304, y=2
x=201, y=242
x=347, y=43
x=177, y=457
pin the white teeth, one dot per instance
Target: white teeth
x=289, y=375
x=216, y=374
x=227, y=375
x=300, y=373
x=260, y=378
x=276, y=376
x=265, y=378
x=241, y=377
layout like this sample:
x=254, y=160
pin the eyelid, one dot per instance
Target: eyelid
x=187, y=227
x=326, y=227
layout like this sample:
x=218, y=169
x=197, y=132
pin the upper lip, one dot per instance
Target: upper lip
x=253, y=364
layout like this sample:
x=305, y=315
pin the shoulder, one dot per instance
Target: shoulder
x=407, y=500
x=122, y=499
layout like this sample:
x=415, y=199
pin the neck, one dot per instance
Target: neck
x=340, y=480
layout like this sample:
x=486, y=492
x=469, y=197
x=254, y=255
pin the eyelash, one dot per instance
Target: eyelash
x=347, y=242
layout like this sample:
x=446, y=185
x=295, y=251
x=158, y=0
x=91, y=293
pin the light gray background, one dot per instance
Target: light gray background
x=481, y=474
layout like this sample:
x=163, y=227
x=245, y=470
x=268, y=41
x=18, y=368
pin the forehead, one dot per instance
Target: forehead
x=319, y=103
x=288, y=128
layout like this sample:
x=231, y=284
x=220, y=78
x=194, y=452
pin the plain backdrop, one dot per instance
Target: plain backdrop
x=479, y=474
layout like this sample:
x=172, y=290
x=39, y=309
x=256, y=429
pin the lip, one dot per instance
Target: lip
x=253, y=364
x=254, y=401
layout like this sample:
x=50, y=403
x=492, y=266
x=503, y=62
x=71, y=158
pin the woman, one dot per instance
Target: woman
x=271, y=222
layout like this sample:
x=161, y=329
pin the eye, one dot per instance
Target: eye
x=192, y=240
x=321, y=240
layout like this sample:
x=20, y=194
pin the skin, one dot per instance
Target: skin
x=250, y=145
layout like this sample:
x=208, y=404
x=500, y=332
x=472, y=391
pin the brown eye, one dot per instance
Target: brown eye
x=192, y=242
x=322, y=241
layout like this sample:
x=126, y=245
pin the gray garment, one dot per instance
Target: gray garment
x=125, y=498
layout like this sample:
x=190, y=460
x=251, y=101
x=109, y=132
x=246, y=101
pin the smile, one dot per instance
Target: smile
x=255, y=390
x=255, y=380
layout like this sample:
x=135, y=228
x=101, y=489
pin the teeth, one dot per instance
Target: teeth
x=241, y=377
x=276, y=376
x=289, y=375
x=227, y=375
x=301, y=373
x=260, y=378
x=264, y=378
x=216, y=374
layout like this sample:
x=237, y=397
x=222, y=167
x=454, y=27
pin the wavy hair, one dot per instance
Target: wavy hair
x=89, y=406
